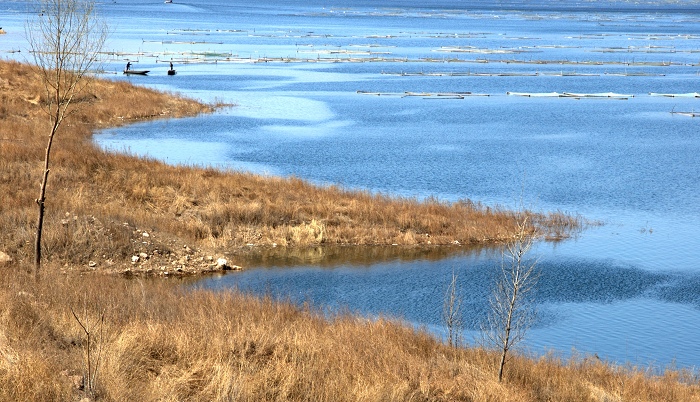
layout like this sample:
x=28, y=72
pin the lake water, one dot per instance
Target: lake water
x=305, y=78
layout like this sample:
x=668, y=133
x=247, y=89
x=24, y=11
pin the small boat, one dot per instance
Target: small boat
x=136, y=72
x=168, y=1
x=172, y=72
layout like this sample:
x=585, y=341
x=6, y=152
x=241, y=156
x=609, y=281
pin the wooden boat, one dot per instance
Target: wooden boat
x=136, y=72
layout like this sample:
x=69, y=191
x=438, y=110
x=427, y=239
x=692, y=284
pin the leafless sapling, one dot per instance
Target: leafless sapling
x=65, y=38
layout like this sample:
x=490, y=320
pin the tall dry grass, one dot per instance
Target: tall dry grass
x=163, y=341
x=99, y=204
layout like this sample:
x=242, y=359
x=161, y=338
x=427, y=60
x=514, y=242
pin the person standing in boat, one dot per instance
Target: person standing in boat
x=128, y=66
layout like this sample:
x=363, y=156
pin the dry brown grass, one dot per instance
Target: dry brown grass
x=165, y=342
x=99, y=204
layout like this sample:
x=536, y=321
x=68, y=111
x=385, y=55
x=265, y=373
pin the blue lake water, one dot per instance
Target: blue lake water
x=305, y=78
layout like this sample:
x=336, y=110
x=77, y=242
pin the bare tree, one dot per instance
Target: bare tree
x=452, y=313
x=65, y=39
x=511, y=310
x=93, y=347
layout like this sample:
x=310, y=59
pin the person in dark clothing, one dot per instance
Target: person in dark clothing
x=128, y=65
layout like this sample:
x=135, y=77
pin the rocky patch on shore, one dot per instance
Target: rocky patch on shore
x=152, y=254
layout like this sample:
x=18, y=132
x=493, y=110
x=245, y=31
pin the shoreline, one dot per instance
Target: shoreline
x=116, y=212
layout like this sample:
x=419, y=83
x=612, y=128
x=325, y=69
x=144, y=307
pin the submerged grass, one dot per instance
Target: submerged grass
x=99, y=204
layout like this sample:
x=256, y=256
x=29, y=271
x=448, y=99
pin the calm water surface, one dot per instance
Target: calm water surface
x=628, y=290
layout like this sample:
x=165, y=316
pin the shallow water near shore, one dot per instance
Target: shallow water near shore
x=374, y=98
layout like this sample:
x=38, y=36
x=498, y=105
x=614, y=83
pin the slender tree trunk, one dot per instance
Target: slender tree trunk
x=506, y=340
x=41, y=203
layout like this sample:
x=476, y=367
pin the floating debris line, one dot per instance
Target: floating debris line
x=572, y=95
x=688, y=114
x=536, y=94
x=688, y=95
x=424, y=95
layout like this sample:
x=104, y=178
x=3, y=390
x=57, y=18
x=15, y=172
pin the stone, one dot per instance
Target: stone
x=135, y=259
x=92, y=264
x=78, y=382
x=5, y=258
x=222, y=263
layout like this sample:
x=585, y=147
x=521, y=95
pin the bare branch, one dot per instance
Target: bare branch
x=452, y=312
x=511, y=311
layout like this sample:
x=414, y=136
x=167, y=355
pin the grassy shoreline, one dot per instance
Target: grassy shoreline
x=103, y=209
x=158, y=340
x=162, y=341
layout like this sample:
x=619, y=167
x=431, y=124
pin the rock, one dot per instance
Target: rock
x=222, y=264
x=78, y=382
x=135, y=259
x=143, y=256
x=92, y=264
x=5, y=258
x=145, y=234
